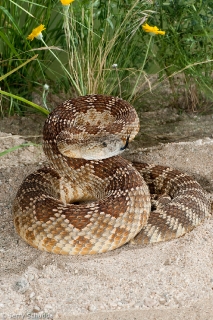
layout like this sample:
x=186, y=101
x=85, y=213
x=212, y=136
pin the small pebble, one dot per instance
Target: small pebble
x=36, y=309
x=21, y=285
x=31, y=277
x=167, y=262
x=113, y=304
x=162, y=301
x=149, y=302
x=91, y=308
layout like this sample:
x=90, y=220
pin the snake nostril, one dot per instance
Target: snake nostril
x=104, y=144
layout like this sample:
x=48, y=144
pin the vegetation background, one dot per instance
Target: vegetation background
x=100, y=47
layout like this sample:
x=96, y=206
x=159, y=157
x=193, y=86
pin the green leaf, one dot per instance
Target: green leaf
x=6, y=40
x=23, y=64
x=3, y=153
x=32, y=104
x=6, y=12
x=110, y=23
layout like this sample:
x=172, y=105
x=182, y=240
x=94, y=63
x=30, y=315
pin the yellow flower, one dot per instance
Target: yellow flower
x=36, y=33
x=152, y=30
x=66, y=2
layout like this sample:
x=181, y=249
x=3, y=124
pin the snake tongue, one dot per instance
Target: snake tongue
x=126, y=144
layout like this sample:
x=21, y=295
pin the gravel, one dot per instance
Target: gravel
x=172, y=280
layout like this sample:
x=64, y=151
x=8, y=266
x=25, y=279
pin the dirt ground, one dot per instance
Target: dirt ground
x=172, y=280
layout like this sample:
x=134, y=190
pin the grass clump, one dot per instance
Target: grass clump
x=100, y=47
x=87, y=46
x=187, y=48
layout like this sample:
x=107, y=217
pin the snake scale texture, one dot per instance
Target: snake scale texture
x=91, y=200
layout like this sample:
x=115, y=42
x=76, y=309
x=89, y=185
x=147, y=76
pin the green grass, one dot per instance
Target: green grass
x=187, y=48
x=23, y=145
x=81, y=46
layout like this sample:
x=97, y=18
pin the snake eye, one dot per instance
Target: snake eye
x=104, y=144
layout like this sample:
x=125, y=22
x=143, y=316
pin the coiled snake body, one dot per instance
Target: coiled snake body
x=91, y=200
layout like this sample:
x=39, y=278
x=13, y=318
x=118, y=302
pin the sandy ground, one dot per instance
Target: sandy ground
x=172, y=280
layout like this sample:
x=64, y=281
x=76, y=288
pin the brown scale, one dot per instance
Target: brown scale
x=181, y=187
x=118, y=196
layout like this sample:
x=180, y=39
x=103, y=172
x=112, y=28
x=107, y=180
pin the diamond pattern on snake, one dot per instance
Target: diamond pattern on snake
x=89, y=199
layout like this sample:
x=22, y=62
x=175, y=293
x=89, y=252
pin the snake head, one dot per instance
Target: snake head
x=94, y=147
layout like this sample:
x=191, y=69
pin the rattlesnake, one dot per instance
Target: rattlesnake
x=91, y=200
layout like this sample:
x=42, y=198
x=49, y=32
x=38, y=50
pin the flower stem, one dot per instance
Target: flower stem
x=142, y=69
x=71, y=56
x=64, y=69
